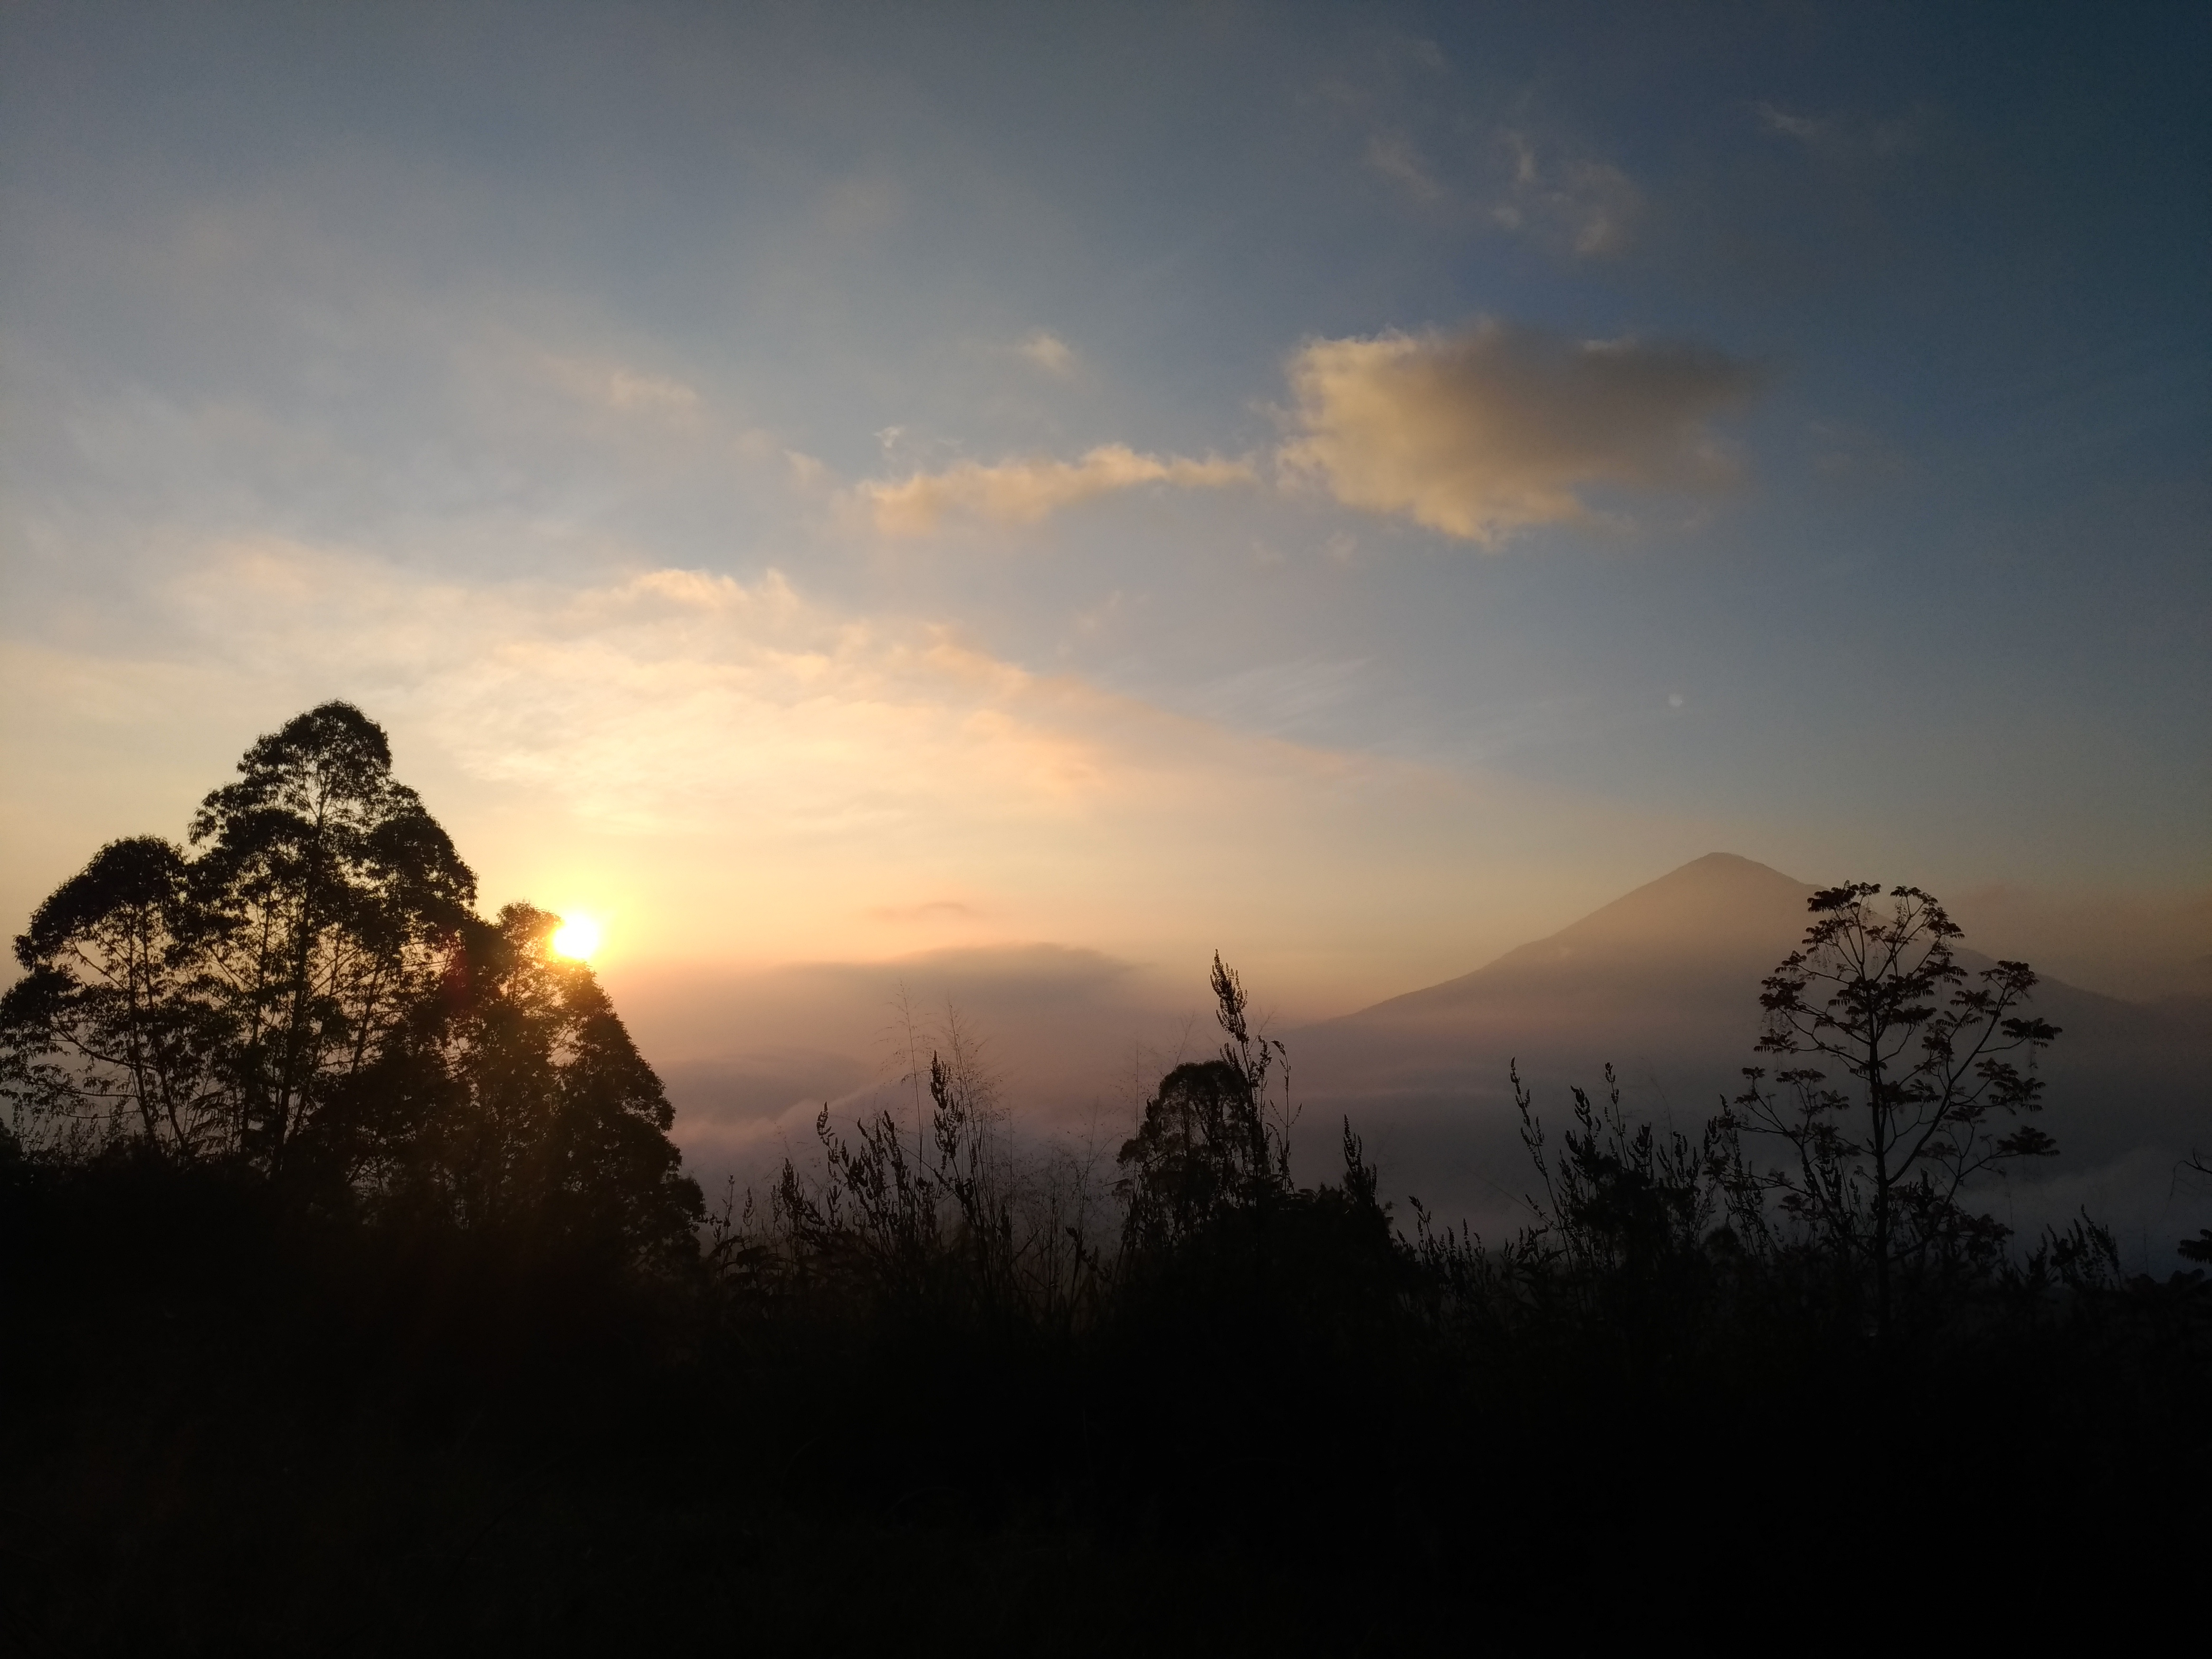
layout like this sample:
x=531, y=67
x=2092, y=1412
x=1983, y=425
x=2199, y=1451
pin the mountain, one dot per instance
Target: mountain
x=1664, y=983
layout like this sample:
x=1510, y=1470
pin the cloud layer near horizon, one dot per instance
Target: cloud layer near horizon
x=1498, y=428
x=738, y=772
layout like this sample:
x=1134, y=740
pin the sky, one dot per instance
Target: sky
x=1353, y=487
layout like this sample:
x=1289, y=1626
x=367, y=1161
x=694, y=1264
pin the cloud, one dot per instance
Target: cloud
x=612, y=385
x=737, y=771
x=1049, y=352
x=1494, y=429
x=674, y=702
x=1589, y=208
x=1028, y=491
x=1396, y=158
x=1841, y=139
x=1805, y=128
x=1568, y=203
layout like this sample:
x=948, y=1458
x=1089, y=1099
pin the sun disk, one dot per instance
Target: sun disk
x=577, y=938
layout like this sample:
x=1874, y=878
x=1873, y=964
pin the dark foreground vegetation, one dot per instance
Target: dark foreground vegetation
x=356, y=1303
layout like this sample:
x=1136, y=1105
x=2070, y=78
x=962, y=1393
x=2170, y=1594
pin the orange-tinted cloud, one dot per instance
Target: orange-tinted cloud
x=735, y=771
x=1494, y=429
x=1029, y=491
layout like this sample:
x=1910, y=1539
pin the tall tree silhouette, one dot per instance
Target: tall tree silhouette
x=331, y=900
x=1930, y=1064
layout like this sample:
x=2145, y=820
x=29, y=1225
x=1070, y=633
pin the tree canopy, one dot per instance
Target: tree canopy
x=304, y=992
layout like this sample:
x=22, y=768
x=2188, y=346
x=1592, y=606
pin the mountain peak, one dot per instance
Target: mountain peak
x=1721, y=908
x=1718, y=900
x=1724, y=865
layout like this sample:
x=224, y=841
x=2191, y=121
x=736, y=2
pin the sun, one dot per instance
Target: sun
x=578, y=937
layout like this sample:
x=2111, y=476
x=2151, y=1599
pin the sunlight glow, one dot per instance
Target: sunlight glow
x=579, y=936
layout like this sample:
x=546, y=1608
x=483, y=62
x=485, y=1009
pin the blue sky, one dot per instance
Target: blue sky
x=1359, y=483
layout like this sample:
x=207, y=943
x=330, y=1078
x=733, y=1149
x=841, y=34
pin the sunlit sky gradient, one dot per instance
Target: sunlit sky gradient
x=1351, y=486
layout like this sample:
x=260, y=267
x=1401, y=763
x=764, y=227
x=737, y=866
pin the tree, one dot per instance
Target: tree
x=2199, y=1249
x=519, y=1104
x=109, y=1032
x=329, y=903
x=308, y=993
x=1930, y=1062
x=216, y=1003
x=1205, y=1146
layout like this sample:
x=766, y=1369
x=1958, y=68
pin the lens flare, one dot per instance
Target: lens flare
x=579, y=936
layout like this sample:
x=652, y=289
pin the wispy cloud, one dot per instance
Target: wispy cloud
x=668, y=701
x=1397, y=158
x=674, y=702
x=1026, y=491
x=1494, y=429
x=1569, y=203
x=1588, y=207
x=1846, y=138
x=610, y=385
x=1049, y=352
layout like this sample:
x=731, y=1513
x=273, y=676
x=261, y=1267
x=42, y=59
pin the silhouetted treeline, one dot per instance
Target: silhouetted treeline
x=356, y=1303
